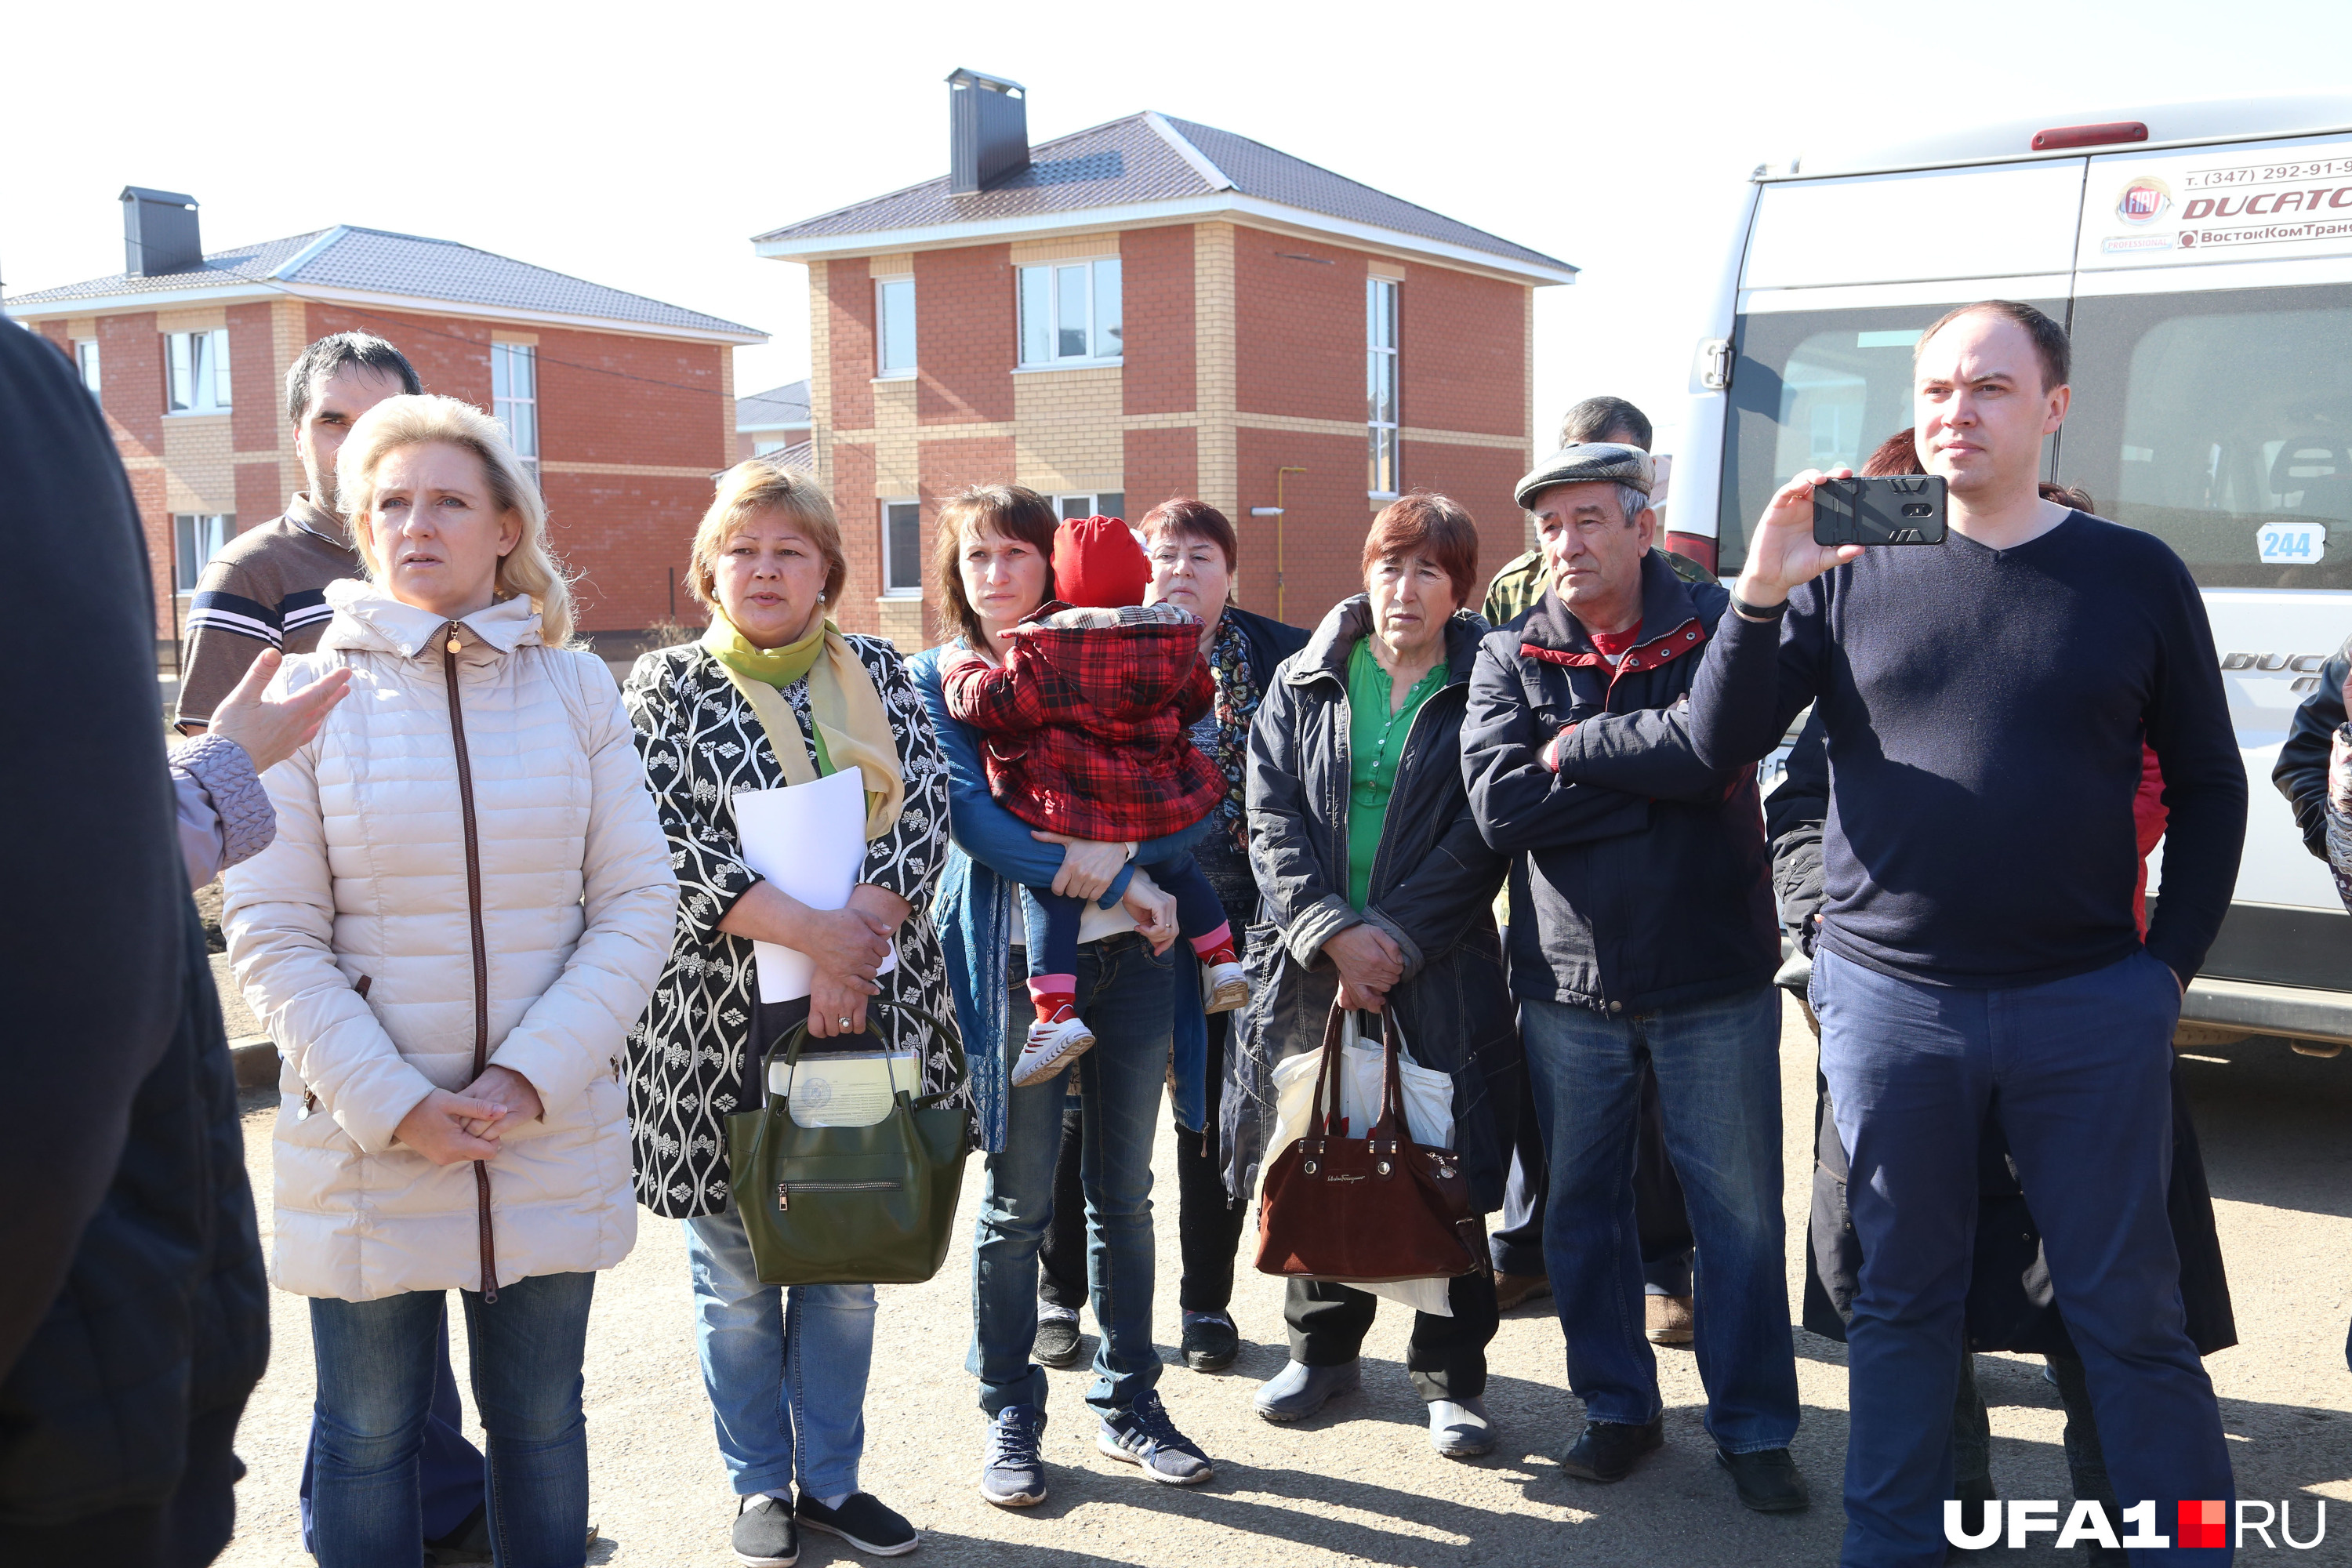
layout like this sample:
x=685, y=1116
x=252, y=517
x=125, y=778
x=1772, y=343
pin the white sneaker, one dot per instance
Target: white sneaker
x=1223, y=987
x=1050, y=1049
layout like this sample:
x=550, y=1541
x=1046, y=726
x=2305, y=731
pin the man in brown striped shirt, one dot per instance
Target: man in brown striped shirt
x=268, y=587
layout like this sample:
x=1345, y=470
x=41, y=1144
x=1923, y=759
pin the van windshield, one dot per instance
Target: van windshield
x=1813, y=389
x=2222, y=422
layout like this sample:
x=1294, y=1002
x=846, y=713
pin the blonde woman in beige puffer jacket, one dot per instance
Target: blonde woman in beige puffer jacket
x=467, y=906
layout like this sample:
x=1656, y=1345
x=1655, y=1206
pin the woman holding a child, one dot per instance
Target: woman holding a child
x=994, y=570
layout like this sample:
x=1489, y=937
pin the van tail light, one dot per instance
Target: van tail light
x=2090, y=135
x=1700, y=547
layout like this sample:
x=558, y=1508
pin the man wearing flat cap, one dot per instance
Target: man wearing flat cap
x=1642, y=933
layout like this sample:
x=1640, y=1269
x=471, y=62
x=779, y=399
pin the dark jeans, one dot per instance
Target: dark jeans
x=1445, y=1357
x=1660, y=1213
x=376, y=1373
x=1123, y=993
x=1208, y=1225
x=1718, y=1071
x=2086, y=1467
x=448, y=1467
x=2078, y=1072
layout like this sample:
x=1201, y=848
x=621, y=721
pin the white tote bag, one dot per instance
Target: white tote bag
x=1428, y=1116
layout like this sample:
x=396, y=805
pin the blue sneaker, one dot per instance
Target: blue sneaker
x=1144, y=1435
x=1014, y=1474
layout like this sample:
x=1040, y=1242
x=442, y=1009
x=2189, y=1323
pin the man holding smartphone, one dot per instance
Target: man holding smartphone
x=1985, y=702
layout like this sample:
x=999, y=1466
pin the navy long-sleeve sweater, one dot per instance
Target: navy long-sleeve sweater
x=1984, y=709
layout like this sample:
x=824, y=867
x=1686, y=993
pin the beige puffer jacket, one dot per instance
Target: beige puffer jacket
x=367, y=880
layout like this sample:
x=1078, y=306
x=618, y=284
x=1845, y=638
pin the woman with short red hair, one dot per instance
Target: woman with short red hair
x=1384, y=904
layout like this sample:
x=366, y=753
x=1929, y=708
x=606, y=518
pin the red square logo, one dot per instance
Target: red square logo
x=2204, y=1524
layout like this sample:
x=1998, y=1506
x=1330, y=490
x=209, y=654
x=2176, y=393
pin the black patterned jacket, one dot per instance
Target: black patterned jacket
x=701, y=742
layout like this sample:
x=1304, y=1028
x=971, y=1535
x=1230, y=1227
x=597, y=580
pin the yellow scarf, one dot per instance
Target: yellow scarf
x=851, y=729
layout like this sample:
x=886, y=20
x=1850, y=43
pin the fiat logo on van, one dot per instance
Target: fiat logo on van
x=2144, y=200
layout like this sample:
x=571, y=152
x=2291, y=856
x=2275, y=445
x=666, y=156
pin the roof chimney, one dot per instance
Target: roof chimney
x=159, y=233
x=988, y=131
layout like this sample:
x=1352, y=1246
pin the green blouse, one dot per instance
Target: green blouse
x=1375, y=741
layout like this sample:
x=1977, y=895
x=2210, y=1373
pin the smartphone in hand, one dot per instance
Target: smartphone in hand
x=1893, y=509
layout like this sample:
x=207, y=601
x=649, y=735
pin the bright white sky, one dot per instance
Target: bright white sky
x=641, y=147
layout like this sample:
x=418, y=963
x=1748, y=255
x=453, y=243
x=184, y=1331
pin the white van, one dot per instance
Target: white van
x=2200, y=255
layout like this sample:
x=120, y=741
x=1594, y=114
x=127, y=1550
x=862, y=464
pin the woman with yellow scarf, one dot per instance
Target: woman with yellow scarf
x=775, y=694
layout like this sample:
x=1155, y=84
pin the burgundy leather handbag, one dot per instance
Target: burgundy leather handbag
x=1368, y=1209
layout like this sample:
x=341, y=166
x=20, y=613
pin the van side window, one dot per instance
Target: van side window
x=2222, y=423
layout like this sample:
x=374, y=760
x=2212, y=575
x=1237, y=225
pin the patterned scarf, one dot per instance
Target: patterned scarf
x=1235, y=707
x=851, y=728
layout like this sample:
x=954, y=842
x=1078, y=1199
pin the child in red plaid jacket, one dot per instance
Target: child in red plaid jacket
x=1086, y=732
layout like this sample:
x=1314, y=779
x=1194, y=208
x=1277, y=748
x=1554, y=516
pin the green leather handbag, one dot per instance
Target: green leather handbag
x=850, y=1205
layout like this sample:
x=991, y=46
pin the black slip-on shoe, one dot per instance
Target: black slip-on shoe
x=1608, y=1449
x=1058, y=1342
x=1211, y=1341
x=764, y=1536
x=862, y=1521
x=1768, y=1480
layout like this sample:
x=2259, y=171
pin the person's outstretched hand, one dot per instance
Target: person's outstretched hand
x=1783, y=553
x=271, y=732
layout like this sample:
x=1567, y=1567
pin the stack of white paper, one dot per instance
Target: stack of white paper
x=809, y=840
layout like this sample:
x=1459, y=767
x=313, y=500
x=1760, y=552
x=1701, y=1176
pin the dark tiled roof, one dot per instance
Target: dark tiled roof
x=376, y=261
x=1143, y=158
x=787, y=405
x=1125, y=160
x=242, y=264
x=1261, y=171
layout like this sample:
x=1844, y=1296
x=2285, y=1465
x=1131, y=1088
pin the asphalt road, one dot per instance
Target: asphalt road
x=1360, y=1484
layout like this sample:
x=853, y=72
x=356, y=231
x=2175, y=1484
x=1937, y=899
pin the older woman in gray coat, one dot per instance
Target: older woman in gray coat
x=1377, y=893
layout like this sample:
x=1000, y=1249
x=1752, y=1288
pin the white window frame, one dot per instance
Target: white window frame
x=1091, y=507
x=888, y=562
x=1102, y=350
x=514, y=398
x=760, y=448
x=196, y=372
x=86, y=364
x=215, y=527
x=883, y=347
x=1380, y=314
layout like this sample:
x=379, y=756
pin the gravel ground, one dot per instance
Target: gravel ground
x=1360, y=1484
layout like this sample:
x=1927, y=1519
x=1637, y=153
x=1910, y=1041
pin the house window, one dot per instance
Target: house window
x=1380, y=380
x=196, y=538
x=762, y=448
x=893, y=322
x=902, y=548
x=514, y=398
x=1101, y=503
x=1070, y=313
x=199, y=363
x=86, y=361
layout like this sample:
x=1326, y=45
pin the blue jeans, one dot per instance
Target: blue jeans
x=786, y=1366
x=1719, y=1070
x=375, y=1366
x=448, y=1467
x=1124, y=995
x=2078, y=1072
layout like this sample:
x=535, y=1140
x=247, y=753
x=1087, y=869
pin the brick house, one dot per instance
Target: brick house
x=1151, y=308
x=625, y=403
x=774, y=422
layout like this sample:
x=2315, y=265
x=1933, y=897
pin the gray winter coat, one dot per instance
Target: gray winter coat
x=1432, y=888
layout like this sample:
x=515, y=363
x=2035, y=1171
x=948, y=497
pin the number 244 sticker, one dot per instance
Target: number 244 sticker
x=2291, y=543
